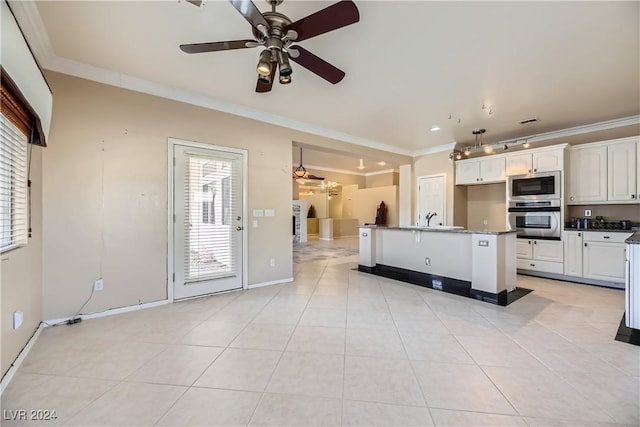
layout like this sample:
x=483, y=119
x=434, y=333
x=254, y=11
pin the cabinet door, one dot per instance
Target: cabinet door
x=518, y=164
x=547, y=161
x=492, y=170
x=572, y=253
x=604, y=261
x=468, y=172
x=547, y=250
x=621, y=171
x=588, y=174
x=524, y=248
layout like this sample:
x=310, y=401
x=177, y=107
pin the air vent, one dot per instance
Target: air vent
x=528, y=121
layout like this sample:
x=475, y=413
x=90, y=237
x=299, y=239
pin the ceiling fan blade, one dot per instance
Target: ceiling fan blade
x=315, y=64
x=252, y=15
x=262, y=87
x=217, y=46
x=336, y=16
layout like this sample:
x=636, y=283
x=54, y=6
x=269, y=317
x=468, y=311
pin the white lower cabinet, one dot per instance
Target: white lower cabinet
x=572, y=253
x=604, y=256
x=595, y=255
x=540, y=255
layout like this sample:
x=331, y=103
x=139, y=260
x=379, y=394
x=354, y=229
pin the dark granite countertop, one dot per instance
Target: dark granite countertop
x=443, y=229
x=601, y=230
x=635, y=239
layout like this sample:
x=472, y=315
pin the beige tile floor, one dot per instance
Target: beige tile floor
x=339, y=347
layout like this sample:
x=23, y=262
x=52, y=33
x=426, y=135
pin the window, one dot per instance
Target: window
x=13, y=185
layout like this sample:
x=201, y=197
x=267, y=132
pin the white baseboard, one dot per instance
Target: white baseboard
x=273, y=282
x=23, y=354
x=109, y=312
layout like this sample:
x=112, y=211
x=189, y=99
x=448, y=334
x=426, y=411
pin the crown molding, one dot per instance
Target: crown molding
x=325, y=169
x=434, y=150
x=380, y=172
x=580, y=130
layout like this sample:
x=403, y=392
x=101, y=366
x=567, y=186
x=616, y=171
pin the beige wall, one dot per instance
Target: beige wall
x=100, y=130
x=21, y=277
x=348, y=192
x=366, y=201
x=434, y=164
x=382, y=180
x=486, y=203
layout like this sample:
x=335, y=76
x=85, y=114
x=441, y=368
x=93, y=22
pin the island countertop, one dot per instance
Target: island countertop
x=441, y=229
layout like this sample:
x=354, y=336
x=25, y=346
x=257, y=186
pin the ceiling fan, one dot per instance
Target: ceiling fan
x=276, y=33
x=301, y=172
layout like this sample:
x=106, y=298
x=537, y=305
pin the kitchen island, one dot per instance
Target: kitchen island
x=475, y=264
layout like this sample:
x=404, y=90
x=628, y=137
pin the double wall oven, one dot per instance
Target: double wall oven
x=535, y=205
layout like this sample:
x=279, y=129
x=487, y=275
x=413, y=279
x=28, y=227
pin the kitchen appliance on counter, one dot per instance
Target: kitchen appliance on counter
x=535, y=186
x=539, y=219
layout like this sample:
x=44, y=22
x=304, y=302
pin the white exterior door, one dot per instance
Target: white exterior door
x=431, y=198
x=208, y=200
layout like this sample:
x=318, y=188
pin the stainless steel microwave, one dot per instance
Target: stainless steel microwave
x=535, y=186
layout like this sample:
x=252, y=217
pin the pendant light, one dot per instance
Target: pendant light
x=300, y=171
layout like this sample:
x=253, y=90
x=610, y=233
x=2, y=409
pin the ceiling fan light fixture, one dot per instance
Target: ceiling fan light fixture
x=264, y=79
x=283, y=63
x=264, y=63
x=285, y=80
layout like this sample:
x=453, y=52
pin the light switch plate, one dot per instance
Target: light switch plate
x=258, y=212
x=483, y=243
x=269, y=212
x=587, y=212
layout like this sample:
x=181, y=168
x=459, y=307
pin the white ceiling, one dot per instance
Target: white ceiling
x=409, y=65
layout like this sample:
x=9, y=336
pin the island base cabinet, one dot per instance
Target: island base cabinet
x=604, y=261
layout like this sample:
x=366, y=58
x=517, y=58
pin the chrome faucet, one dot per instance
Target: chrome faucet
x=429, y=216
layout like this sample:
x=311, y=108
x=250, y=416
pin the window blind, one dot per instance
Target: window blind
x=13, y=185
x=211, y=206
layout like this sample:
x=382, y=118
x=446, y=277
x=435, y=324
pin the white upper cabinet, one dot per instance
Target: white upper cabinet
x=588, y=174
x=480, y=171
x=622, y=176
x=538, y=161
x=605, y=172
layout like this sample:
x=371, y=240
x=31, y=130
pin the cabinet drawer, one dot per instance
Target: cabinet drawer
x=543, y=266
x=603, y=236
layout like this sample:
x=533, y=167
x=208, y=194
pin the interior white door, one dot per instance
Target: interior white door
x=431, y=199
x=208, y=226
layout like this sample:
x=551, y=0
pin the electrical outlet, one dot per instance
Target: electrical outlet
x=98, y=285
x=587, y=212
x=486, y=222
x=272, y=262
x=18, y=318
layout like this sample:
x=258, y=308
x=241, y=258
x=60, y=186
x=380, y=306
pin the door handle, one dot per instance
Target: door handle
x=238, y=228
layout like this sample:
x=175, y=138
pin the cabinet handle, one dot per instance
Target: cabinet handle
x=579, y=234
x=477, y=179
x=535, y=170
x=532, y=265
x=529, y=170
x=606, y=237
x=535, y=243
x=633, y=196
x=585, y=245
x=571, y=197
x=529, y=241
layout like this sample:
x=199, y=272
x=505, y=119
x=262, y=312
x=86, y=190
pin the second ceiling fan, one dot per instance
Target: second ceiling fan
x=276, y=33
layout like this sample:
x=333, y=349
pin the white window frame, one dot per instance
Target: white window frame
x=14, y=220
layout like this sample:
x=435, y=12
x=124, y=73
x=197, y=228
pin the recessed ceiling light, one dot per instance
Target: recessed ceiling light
x=382, y=163
x=434, y=128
